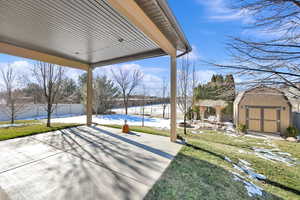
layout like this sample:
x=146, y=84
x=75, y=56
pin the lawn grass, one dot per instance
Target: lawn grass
x=283, y=181
x=20, y=122
x=31, y=129
x=203, y=173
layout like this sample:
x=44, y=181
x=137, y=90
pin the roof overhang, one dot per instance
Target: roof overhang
x=94, y=33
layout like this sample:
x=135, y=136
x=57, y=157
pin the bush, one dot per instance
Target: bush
x=291, y=131
x=242, y=128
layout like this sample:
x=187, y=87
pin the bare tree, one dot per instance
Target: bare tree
x=127, y=80
x=12, y=94
x=50, y=78
x=185, y=88
x=164, y=96
x=274, y=59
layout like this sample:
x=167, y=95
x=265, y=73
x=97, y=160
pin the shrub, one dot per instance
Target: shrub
x=242, y=128
x=291, y=131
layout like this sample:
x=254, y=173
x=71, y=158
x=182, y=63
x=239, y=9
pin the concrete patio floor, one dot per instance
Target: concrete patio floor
x=84, y=163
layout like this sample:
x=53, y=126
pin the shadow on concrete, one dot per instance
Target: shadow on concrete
x=140, y=145
x=95, y=146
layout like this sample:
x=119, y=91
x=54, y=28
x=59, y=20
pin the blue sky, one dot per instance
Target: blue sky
x=206, y=23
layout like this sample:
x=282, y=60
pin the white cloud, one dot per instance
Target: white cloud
x=194, y=54
x=220, y=11
x=204, y=76
x=21, y=66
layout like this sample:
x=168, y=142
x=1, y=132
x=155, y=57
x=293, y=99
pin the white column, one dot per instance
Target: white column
x=173, y=78
x=89, y=96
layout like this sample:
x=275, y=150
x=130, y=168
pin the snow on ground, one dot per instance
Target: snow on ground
x=45, y=116
x=11, y=125
x=118, y=119
x=16, y=125
x=275, y=155
x=244, y=167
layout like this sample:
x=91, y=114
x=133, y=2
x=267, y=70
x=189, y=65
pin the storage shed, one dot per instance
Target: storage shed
x=263, y=109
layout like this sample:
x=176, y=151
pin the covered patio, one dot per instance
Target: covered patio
x=83, y=163
x=89, y=34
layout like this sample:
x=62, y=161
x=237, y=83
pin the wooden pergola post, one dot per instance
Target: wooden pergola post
x=218, y=113
x=173, y=77
x=202, y=110
x=89, y=96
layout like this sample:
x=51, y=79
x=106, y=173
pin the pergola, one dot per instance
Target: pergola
x=218, y=105
x=86, y=34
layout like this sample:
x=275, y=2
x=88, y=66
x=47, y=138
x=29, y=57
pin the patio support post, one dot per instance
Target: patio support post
x=173, y=77
x=89, y=96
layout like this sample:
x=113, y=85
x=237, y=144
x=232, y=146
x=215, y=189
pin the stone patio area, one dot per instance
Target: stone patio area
x=84, y=163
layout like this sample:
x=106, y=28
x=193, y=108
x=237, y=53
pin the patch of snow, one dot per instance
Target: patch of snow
x=242, y=151
x=197, y=132
x=40, y=117
x=253, y=189
x=11, y=125
x=227, y=159
x=244, y=162
x=284, y=153
x=275, y=155
x=212, y=118
x=244, y=166
x=16, y=125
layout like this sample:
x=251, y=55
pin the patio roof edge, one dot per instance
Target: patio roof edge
x=37, y=55
x=139, y=56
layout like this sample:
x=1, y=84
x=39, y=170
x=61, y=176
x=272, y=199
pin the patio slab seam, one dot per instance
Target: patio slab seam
x=31, y=162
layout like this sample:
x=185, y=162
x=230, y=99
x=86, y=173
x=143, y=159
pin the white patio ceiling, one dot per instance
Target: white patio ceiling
x=91, y=32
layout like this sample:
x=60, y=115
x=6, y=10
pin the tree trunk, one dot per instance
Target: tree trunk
x=12, y=120
x=164, y=108
x=143, y=119
x=49, y=116
x=126, y=109
x=48, y=119
x=184, y=120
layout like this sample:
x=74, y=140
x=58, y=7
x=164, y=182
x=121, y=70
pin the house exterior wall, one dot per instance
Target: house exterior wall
x=264, y=97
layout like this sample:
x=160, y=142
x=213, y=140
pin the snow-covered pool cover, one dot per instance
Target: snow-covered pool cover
x=118, y=119
x=132, y=120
